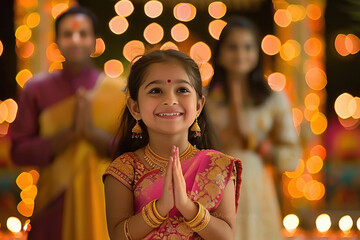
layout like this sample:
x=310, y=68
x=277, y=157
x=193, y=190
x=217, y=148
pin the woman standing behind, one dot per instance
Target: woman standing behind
x=254, y=124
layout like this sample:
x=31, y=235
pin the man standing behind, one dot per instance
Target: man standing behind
x=65, y=127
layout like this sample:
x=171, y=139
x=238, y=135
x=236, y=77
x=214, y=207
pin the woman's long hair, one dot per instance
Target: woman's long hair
x=137, y=72
x=259, y=90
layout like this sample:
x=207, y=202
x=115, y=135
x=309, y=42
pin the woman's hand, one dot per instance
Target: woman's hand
x=166, y=202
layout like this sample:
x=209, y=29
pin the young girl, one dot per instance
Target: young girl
x=162, y=186
x=254, y=124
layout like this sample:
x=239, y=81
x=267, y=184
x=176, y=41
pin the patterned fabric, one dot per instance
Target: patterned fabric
x=206, y=174
x=258, y=216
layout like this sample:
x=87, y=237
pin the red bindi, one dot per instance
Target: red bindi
x=75, y=26
x=169, y=81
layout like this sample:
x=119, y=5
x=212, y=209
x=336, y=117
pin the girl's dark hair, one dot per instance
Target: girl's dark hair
x=73, y=11
x=137, y=72
x=259, y=90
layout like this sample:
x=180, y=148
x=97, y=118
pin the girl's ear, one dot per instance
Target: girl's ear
x=133, y=107
x=200, y=105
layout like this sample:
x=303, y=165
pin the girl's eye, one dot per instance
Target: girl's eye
x=183, y=90
x=154, y=91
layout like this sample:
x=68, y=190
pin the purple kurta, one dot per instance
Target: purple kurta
x=29, y=149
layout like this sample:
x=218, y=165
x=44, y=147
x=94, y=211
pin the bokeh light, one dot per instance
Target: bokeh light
x=349, y=123
x=23, y=33
x=293, y=188
x=313, y=11
x=323, y=222
x=217, y=9
x=313, y=47
x=23, y=76
x=26, y=49
x=318, y=123
x=124, y=8
x=13, y=224
x=345, y=223
x=282, y=17
x=318, y=150
x=133, y=49
x=58, y=9
x=298, y=171
x=355, y=103
x=3, y=111
x=312, y=101
x=206, y=71
x=4, y=127
x=99, y=48
x=358, y=224
x=53, y=53
x=298, y=116
x=28, y=3
x=200, y=52
x=316, y=78
x=169, y=45
x=26, y=208
x=352, y=43
x=55, y=66
x=113, y=68
x=24, y=180
x=33, y=19
x=215, y=28
x=277, y=81
x=298, y=12
x=12, y=109
x=341, y=105
x=314, y=190
x=153, y=33
x=153, y=9
x=184, y=12
x=118, y=25
x=1, y=48
x=340, y=45
x=270, y=44
x=290, y=50
x=291, y=222
x=314, y=164
x=179, y=32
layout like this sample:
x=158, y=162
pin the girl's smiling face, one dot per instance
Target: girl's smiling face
x=167, y=101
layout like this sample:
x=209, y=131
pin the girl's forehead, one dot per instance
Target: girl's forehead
x=165, y=71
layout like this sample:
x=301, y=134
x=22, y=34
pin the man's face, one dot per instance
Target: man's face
x=76, y=38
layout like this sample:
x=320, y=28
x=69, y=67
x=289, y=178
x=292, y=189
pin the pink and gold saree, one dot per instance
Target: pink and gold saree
x=206, y=174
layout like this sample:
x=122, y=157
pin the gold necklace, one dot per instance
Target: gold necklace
x=156, y=161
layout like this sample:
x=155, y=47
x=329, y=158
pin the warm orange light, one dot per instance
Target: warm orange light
x=355, y=104
x=179, y=32
x=297, y=116
x=27, y=3
x=313, y=11
x=270, y=44
x=341, y=105
x=309, y=114
x=26, y=208
x=314, y=164
x=352, y=43
x=23, y=33
x=26, y=49
x=99, y=48
x=113, y=68
x=297, y=12
x=153, y=33
x=55, y=66
x=217, y=9
x=153, y=9
x=290, y=50
x=24, y=180
x=206, y=71
x=23, y=76
x=314, y=190
x=316, y=79
x=35, y=175
x=282, y=17
x=124, y=8
x=184, y=12
x=58, y=9
x=318, y=150
x=1, y=48
x=118, y=25
x=133, y=49
x=318, y=123
x=277, y=81
x=4, y=127
x=200, y=52
x=13, y=224
x=12, y=109
x=349, y=123
x=313, y=47
x=312, y=101
x=169, y=45
x=340, y=45
x=53, y=53
x=29, y=193
x=215, y=28
x=3, y=112
x=33, y=19
x=293, y=190
x=298, y=171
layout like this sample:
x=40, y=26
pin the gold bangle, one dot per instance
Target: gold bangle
x=126, y=230
x=157, y=214
x=199, y=218
x=204, y=222
x=149, y=216
x=197, y=214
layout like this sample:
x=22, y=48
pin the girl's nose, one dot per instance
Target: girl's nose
x=170, y=99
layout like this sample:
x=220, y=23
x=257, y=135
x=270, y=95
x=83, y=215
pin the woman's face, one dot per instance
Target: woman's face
x=239, y=53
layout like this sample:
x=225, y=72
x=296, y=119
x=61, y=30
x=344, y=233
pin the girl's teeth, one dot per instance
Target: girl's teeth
x=169, y=114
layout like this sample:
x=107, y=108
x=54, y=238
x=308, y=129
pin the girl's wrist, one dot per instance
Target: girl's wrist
x=190, y=210
x=162, y=210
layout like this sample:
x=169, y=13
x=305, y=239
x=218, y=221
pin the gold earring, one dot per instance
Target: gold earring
x=196, y=128
x=136, y=130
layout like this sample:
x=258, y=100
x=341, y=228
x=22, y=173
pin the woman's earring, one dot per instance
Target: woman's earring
x=136, y=130
x=196, y=128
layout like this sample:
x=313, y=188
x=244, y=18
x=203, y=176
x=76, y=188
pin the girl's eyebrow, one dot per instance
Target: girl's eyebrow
x=163, y=82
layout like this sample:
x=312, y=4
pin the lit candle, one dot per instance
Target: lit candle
x=291, y=222
x=345, y=224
